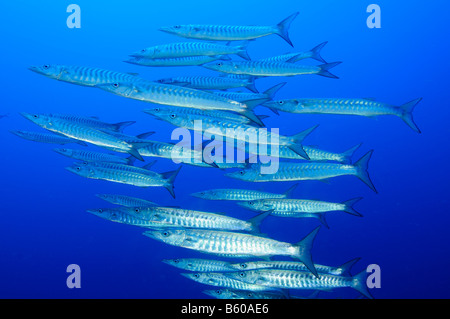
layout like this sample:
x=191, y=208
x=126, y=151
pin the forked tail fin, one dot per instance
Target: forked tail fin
x=359, y=284
x=324, y=70
x=170, y=178
x=304, y=251
x=406, y=115
x=315, y=52
x=283, y=28
x=349, y=206
x=297, y=140
x=347, y=155
x=361, y=166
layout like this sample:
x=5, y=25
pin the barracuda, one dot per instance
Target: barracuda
x=360, y=107
x=343, y=270
x=49, y=138
x=220, y=280
x=289, y=171
x=264, y=68
x=82, y=133
x=231, y=33
x=240, y=194
x=241, y=294
x=211, y=82
x=127, y=201
x=127, y=177
x=186, y=49
x=82, y=75
x=290, y=279
x=314, y=53
x=178, y=217
x=178, y=96
x=116, y=215
x=236, y=245
x=90, y=156
x=234, y=131
x=199, y=265
x=181, y=61
x=243, y=96
x=93, y=122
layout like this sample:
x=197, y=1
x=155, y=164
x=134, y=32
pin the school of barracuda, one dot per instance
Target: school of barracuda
x=250, y=269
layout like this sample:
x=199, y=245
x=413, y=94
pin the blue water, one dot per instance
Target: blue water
x=44, y=224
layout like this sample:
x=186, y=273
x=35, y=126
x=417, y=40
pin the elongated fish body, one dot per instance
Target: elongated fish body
x=314, y=153
x=120, y=167
x=353, y=106
x=89, y=156
x=230, y=32
x=93, y=122
x=166, y=94
x=235, y=245
x=219, y=280
x=290, y=279
x=178, y=217
x=263, y=68
x=82, y=133
x=180, y=61
x=82, y=75
x=200, y=265
x=314, y=53
x=185, y=155
x=242, y=96
x=293, y=265
x=239, y=194
x=208, y=82
x=49, y=138
x=292, y=171
x=126, y=176
x=124, y=200
x=234, y=131
x=290, y=207
x=115, y=215
x=191, y=112
x=242, y=294
x=186, y=49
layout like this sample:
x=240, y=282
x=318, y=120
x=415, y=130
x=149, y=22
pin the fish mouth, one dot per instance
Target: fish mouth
x=165, y=29
x=28, y=116
x=36, y=69
x=209, y=292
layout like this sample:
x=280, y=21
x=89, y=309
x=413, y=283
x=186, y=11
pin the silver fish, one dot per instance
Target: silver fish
x=231, y=33
x=127, y=177
x=220, y=280
x=290, y=279
x=84, y=155
x=94, y=122
x=46, y=137
x=211, y=82
x=118, y=216
x=186, y=49
x=181, y=61
x=127, y=201
x=290, y=171
x=263, y=68
x=240, y=194
x=200, y=265
x=360, y=107
x=242, y=294
x=314, y=53
x=244, y=96
x=235, y=245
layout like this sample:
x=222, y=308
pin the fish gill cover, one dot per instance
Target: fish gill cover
x=239, y=147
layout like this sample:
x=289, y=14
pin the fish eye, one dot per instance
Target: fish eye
x=157, y=109
x=281, y=102
x=177, y=27
x=116, y=85
x=85, y=163
x=143, y=50
x=241, y=274
x=172, y=116
x=251, y=203
x=242, y=172
x=114, y=215
x=137, y=210
x=249, y=295
x=166, y=233
x=243, y=265
x=196, y=275
x=63, y=150
x=35, y=116
x=219, y=63
x=100, y=210
x=176, y=261
x=218, y=292
x=46, y=66
x=202, y=193
x=78, y=168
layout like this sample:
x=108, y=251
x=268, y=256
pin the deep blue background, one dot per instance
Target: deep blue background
x=44, y=226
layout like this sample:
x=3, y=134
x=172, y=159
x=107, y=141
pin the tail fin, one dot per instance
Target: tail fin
x=304, y=251
x=251, y=104
x=243, y=51
x=290, y=190
x=131, y=160
x=347, y=155
x=315, y=52
x=349, y=206
x=361, y=166
x=256, y=221
x=122, y=125
x=324, y=70
x=145, y=135
x=170, y=178
x=282, y=28
x=359, y=284
x=149, y=165
x=274, y=89
x=297, y=140
x=223, y=57
x=253, y=117
x=345, y=268
x=251, y=85
x=407, y=117
x=134, y=152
